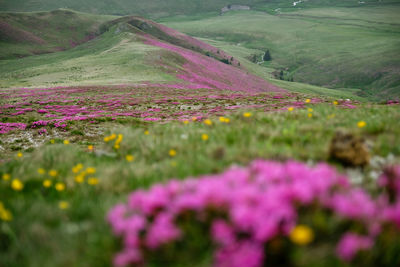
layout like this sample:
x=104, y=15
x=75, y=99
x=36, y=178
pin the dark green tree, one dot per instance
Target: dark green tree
x=267, y=56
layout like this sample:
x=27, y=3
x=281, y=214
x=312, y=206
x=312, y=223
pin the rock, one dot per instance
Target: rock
x=348, y=149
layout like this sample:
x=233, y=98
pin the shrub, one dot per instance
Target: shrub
x=260, y=215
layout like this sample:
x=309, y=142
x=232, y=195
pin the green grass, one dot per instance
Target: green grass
x=25, y=34
x=339, y=47
x=242, y=53
x=116, y=57
x=336, y=47
x=43, y=235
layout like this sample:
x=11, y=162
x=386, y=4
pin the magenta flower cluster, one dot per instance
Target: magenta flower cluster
x=10, y=126
x=249, y=207
x=57, y=107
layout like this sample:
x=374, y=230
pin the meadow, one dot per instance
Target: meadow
x=138, y=145
x=70, y=182
x=314, y=46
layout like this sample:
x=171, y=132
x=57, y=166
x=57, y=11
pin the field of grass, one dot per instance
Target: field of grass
x=99, y=143
x=330, y=47
x=242, y=54
x=66, y=227
x=113, y=58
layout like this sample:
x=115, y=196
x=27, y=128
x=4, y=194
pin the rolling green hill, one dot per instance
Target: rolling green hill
x=131, y=50
x=26, y=34
x=118, y=55
x=351, y=48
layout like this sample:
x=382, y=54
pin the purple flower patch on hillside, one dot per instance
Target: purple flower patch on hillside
x=56, y=107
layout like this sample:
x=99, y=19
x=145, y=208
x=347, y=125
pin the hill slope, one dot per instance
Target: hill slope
x=351, y=48
x=25, y=34
x=131, y=50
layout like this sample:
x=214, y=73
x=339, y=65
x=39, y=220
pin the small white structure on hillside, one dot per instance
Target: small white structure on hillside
x=234, y=7
x=298, y=2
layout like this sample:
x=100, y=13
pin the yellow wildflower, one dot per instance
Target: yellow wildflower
x=185, y=122
x=113, y=136
x=204, y=137
x=225, y=120
x=66, y=142
x=41, y=171
x=17, y=185
x=93, y=181
x=90, y=147
x=53, y=173
x=247, y=114
x=146, y=132
x=301, y=235
x=290, y=108
x=129, y=158
x=172, y=152
x=20, y=155
x=90, y=170
x=47, y=183
x=310, y=115
x=6, y=177
x=79, y=178
x=310, y=110
x=208, y=122
x=5, y=215
x=77, y=168
x=52, y=141
x=361, y=124
x=106, y=139
x=331, y=116
x=335, y=103
x=308, y=100
x=194, y=119
x=60, y=186
x=63, y=205
x=118, y=141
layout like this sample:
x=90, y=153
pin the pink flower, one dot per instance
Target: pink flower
x=116, y=218
x=352, y=243
x=249, y=254
x=222, y=232
x=127, y=257
x=162, y=231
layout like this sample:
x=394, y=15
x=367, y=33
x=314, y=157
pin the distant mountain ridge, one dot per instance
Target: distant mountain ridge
x=165, y=8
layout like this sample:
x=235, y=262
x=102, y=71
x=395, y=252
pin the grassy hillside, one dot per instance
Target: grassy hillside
x=353, y=50
x=120, y=56
x=165, y=8
x=26, y=34
x=332, y=47
x=132, y=104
